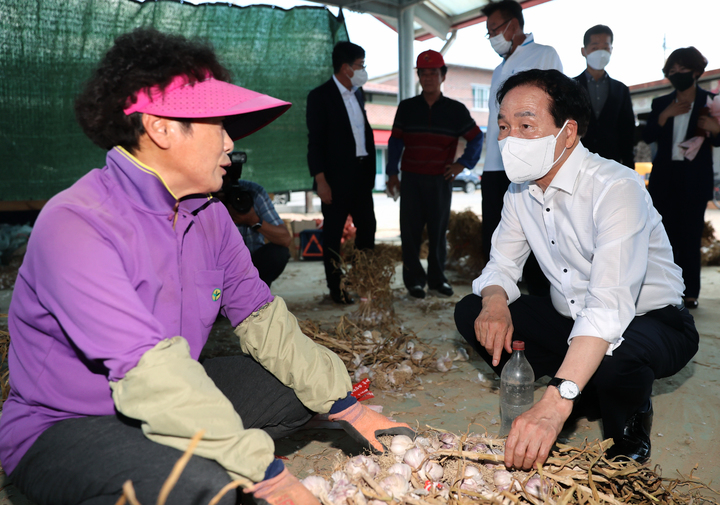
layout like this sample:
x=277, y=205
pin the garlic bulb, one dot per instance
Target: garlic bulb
x=425, y=442
x=340, y=493
x=339, y=477
x=400, y=445
x=404, y=369
x=444, y=363
x=431, y=471
x=360, y=371
x=502, y=480
x=449, y=441
x=473, y=472
x=395, y=485
x=355, y=466
x=461, y=355
x=410, y=347
x=482, y=448
x=368, y=336
x=316, y=485
x=470, y=485
x=414, y=457
x=417, y=357
x=401, y=469
x=537, y=487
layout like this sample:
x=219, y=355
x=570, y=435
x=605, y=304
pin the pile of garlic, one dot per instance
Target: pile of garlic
x=412, y=472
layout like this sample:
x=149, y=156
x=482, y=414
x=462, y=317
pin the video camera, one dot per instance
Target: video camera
x=233, y=194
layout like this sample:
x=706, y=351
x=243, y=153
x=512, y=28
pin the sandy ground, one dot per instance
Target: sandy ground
x=466, y=398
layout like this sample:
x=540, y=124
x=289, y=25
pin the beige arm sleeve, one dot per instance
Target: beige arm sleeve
x=174, y=398
x=273, y=338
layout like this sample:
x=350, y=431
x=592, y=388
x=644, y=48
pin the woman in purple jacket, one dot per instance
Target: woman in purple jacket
x=124, y=275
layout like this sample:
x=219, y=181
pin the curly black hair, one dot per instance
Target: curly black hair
x=139, y=59
x=568, y=99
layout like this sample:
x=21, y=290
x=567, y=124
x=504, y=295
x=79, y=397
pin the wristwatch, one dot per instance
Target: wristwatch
x=257, y=225
x=567, y=388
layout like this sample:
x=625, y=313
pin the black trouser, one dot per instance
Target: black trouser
x=87, y=460
x=270, y=261
x=494, y=186
x=347, y=199
x=424, y=200
x=683, y=216
x=656, y=345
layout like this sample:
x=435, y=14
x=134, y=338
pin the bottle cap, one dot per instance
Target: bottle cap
x=518, y=345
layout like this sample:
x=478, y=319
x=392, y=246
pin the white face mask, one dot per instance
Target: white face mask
x=501, y=46
x=598, y=59
x=359, y=78
x=529, y=159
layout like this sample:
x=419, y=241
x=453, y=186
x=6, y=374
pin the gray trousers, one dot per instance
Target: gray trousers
x=87, y=460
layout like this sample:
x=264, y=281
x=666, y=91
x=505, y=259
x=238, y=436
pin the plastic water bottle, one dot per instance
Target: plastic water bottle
x=517, y=386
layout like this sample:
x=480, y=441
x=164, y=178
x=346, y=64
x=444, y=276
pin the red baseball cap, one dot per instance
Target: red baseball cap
x=430, y=59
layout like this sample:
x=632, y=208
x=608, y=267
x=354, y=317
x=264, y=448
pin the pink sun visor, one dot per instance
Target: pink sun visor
x=245, y=111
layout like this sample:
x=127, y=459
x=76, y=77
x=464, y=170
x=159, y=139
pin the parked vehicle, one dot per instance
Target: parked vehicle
x=467, y=180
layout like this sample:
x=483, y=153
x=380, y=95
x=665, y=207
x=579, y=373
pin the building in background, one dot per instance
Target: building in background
x=469, y=85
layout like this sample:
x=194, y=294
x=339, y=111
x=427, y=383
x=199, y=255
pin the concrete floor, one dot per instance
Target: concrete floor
x=465, y=398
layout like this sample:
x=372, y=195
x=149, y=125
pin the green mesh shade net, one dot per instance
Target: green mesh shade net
x=50, y=47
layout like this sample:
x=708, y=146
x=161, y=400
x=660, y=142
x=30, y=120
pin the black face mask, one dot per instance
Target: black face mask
x=681, y=80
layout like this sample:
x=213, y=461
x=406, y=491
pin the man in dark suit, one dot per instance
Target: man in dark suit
x=611, y=132
x=341, y=158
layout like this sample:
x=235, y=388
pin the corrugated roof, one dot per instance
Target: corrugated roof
x=433, y=18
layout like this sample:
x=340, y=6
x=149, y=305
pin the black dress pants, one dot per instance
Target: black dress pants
x=424, y=200
x=270, y=261
x=656, y=345
x=493, y=188
x=349, y=197
x=683, y=214
x=87, y=460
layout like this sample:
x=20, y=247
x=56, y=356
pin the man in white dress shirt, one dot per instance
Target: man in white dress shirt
x=505, y=25
x=614, y=321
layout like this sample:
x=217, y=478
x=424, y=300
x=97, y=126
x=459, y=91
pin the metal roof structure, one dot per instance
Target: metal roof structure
x=421, y=20
x=432, y=18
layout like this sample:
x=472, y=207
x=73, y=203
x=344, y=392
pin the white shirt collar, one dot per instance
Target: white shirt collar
x=342, y=87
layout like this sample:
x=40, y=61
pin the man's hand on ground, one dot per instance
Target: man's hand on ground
x=493, y=327
x=534, y=432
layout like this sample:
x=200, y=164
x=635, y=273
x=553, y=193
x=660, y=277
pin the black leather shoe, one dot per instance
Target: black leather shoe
x=444, y=289
x=416, y=292
x=342, y=297
x=635, y=442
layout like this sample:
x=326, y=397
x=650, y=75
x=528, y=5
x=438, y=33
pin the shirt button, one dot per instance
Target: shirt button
x=552, y=242
x=572, y=301
x=547, y=210
x=565, y=270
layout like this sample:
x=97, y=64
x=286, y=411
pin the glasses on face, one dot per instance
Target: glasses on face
x=494, y=31
x=358, y=67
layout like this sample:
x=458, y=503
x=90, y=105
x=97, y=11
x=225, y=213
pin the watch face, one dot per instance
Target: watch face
x=569, y=390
